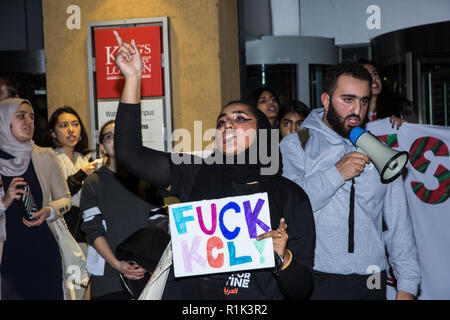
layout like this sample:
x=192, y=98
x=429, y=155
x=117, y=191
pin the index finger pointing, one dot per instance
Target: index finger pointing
x=118, y=38
x=283, y=225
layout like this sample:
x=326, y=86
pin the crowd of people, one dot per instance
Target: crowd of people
x=59, y=207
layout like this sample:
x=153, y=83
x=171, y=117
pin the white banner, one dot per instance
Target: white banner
x=214, y=236
x=427, y=186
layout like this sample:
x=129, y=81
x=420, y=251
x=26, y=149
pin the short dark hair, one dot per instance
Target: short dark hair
x=294, y=106
x=348, y=68
x=83, y=145
x=102, y=129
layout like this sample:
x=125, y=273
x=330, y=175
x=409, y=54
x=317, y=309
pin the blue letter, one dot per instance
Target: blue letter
x=180, y=220
x=236, y=260
x=230, y=235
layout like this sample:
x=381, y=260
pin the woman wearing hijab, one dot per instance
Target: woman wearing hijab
x=31, y=265
x=237, y=128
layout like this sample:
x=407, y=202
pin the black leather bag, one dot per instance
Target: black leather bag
x=144, y=247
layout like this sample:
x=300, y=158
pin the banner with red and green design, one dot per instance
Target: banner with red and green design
x=427, y=186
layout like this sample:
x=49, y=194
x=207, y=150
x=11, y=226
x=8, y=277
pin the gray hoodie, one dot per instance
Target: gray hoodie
x=314, y=170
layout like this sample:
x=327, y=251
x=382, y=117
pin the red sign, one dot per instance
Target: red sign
x=109, y=79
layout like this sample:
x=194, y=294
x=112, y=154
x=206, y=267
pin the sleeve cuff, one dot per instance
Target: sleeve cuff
x=2, y=208
x=52, y=215
x=80, y=175
x=335, y=177
x=409, y=286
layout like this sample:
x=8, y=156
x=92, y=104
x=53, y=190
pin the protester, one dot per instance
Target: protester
x=113, y=208
x=384, y=104
x=12, y=87
x=32, y=266
x=70, y=143
x=348, y=199
x=238, y=125
x=265, y=100
x=291, y=117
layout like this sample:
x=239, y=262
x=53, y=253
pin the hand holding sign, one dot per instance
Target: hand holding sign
x=280, y=238
x=128, y=58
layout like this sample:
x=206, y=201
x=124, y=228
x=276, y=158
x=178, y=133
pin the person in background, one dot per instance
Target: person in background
x=7, y=89
x=291, y=117
x=69, y=140
x=113, y=207
x=15, y=87
x=265, y=100
x=32, y=266
x=384, y=104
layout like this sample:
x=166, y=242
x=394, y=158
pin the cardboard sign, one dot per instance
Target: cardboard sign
x=215, y=236
x=109, y=78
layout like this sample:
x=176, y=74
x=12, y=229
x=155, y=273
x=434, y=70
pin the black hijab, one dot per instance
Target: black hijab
x=215, y=180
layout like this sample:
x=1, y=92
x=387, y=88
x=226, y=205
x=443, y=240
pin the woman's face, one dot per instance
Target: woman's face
x=236, y=129
x=107, y=145
x=22, y=123
x=290, y=123
x=268, y=105
x=376, y=80
x=67, y=130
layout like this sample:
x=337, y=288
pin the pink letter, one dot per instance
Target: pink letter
x=213, y=219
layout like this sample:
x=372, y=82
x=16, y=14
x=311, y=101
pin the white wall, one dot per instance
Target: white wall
x=285, y=17
x=346, y=20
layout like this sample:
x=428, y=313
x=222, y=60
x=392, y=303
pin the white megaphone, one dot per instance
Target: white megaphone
x=388, y=162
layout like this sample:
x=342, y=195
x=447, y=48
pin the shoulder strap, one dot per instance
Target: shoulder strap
x=303, y=136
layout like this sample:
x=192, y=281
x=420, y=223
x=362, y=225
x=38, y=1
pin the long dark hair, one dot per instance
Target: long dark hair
x=254, y=96
x=83, y=145
x=388, y=104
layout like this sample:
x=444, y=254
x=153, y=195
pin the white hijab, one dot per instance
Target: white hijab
x=21, y=151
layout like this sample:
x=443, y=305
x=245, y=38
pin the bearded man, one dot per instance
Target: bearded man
x=348, y=199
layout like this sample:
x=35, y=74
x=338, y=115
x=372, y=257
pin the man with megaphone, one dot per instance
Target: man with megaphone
x=349, y=198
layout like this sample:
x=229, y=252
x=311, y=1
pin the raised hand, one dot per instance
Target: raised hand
x=128, y=58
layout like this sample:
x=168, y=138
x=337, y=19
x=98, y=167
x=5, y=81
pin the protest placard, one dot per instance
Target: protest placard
x=215, y=236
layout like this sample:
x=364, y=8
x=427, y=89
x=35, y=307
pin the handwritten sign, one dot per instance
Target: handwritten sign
x=215, y=236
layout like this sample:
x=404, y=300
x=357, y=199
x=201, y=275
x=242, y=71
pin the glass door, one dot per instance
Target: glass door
x=435, y=98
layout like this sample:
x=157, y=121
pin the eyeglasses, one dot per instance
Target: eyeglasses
x=107, y=138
